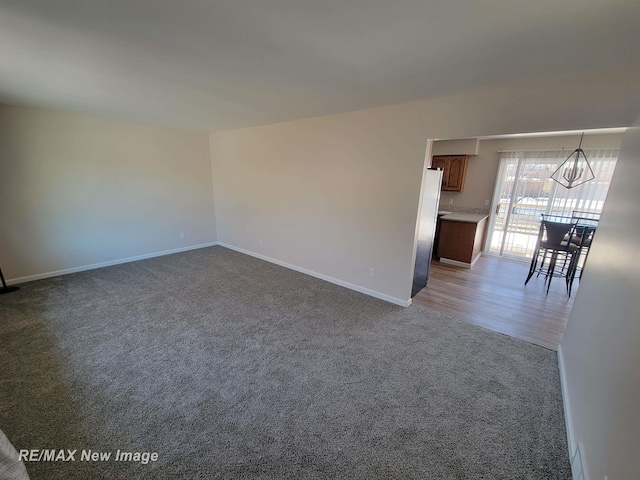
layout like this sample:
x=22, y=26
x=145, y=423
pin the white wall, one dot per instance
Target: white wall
x=600, y=351
x=78, y=191
x=330, y=194
x=339, y=194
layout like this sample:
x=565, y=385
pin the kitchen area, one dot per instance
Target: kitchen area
x=460, y=230
x=448, y=232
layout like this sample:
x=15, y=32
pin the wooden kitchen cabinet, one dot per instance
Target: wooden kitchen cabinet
x=461, y=238
x=454, y=169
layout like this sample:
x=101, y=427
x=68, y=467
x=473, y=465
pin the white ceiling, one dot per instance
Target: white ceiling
x=223, y=64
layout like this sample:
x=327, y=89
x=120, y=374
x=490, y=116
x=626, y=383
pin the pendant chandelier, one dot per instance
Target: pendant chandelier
x=575, y=170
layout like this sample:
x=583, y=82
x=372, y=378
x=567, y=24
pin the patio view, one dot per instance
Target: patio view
x=524, y=191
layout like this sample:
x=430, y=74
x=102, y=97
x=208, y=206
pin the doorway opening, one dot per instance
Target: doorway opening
x=492, y=293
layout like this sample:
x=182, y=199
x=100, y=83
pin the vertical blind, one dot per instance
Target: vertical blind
x=526, y=191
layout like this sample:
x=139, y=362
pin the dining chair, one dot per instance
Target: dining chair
x=587, y=223
x=553, y=246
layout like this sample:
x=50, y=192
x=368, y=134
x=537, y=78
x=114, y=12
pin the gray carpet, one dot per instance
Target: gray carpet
x=230, y=367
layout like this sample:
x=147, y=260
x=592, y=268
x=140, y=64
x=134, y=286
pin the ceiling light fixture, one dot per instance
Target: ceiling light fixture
x=575, y=170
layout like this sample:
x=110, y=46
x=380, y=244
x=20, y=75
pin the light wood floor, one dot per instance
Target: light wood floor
x=492, y=294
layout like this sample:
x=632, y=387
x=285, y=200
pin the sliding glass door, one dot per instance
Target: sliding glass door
x=524, y=191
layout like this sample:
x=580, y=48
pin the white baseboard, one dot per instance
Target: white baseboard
x=351, y=286
x=576, y=454
x=357, y=288
x=93, y=266
x=457, y=263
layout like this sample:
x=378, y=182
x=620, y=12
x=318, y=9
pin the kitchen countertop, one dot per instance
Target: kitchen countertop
x=464, y=217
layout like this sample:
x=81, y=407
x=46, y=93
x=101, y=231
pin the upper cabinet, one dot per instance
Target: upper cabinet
x=461, y=146
x=454, y=171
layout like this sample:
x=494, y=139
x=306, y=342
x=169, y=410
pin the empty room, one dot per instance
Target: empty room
x=212, y=232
